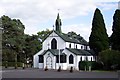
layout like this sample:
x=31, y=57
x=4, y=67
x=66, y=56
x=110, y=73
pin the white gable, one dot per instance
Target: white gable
x=47, y=43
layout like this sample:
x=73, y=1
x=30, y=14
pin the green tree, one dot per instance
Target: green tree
x=43, y=34
x=13, y=38
x=98, y=39
x=110, y=59
x=115, y=37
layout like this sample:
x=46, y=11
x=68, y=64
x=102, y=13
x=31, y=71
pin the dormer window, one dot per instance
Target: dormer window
x=69, y=45
x=76, y=46
x=81, y=47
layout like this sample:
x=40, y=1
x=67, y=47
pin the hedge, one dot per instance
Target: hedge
x=12, y=64
x=94, y=65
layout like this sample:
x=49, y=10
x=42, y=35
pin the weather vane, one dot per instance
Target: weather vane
x=58, y=10
x=53, y=27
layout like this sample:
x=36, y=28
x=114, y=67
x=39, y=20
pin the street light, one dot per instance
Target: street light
x=24, y=60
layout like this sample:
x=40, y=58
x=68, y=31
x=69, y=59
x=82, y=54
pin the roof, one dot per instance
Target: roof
x=79, y=52
x=73, y=39
x=54, y=52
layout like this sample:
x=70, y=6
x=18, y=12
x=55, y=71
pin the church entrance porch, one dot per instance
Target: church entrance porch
x=49, y=62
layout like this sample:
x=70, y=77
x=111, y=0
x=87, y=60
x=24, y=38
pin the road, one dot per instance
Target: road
x=38, y=73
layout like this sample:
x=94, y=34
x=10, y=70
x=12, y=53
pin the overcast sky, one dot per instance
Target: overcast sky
x=76, y=15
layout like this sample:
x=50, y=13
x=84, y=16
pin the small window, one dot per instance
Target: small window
x=69, y=45
x=62, y=59
x=76, y=46
x=41, y=59
x=81, y=47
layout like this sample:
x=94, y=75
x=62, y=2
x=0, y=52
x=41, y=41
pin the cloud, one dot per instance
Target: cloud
x=107, y=5
x=35, y=13
x=82, y=29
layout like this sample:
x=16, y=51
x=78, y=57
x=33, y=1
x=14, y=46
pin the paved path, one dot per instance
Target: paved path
x=37, y=73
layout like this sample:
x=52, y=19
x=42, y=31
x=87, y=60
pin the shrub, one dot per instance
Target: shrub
x=46, y=68
x=59, y=69
x=11, y=64
x=94, y=65
x=110, y=59
x=71, y=69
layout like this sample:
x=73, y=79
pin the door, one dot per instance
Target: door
x=49, y=62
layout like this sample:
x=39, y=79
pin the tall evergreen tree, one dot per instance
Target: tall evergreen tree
x=115, y=37
x=98, y=39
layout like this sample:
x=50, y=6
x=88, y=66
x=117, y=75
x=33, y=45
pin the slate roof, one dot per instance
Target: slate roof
x=54, y=52
x=79, y=52
x=75, y=51
x=71, y=38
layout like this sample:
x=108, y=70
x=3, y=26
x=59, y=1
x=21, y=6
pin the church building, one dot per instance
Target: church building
x=62, y=50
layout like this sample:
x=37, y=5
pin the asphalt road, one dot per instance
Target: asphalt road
x=37, y=73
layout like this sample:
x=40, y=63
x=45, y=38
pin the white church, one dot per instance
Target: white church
x=62, y=50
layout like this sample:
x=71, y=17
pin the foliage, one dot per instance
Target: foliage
x=12, y=42
x=110, y=59
x=32, y=45
x=94, y=65
x=43, y=34
x=98, y=39
x=12, y=64
x=115, y=37
x=84, y=64
x=16, y=44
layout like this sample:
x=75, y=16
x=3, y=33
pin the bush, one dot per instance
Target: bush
x=71, y=69
x=110, y=59
x=84, y=64
x=12, y=64
x=46, y=68
x=94, y=65
x=59, y=69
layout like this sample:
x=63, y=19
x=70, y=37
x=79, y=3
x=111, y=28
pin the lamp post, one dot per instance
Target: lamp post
x=16, y=61
x=24, y=60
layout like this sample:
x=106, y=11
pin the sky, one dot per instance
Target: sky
x=76, y=15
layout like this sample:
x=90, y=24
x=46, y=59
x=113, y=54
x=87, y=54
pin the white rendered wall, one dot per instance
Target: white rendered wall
x=68, y=53
x=36, y=59
x=41, y=65
x=63, y=66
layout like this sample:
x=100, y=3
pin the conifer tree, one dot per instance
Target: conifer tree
x=115, y=37
x=98, y=39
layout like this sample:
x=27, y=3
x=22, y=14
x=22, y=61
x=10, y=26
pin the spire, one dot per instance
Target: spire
x=58, y=24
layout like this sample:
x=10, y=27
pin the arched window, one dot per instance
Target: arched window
x=54, y=44
x=81, y=58
x=91, y=58
x=81, y=47
x=76, y=46
x=71, y=59
x=69, y=45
